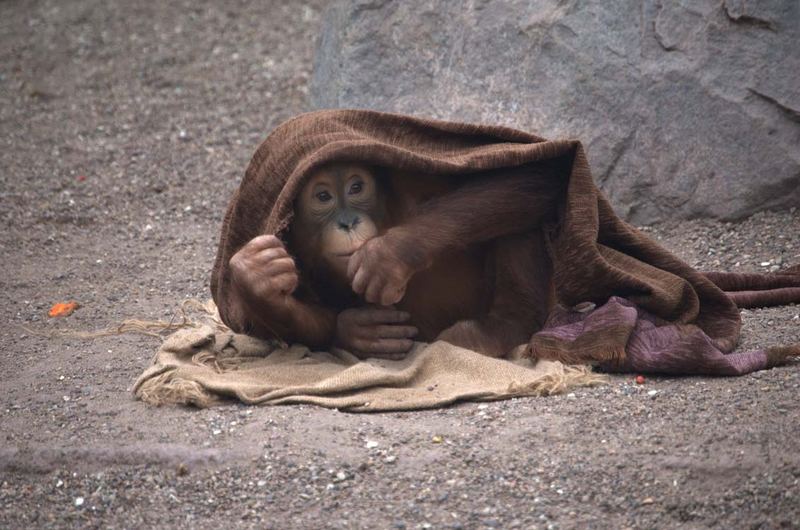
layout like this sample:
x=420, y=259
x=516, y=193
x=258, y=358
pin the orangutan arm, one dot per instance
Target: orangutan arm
x=479, y=211
x=261, y=302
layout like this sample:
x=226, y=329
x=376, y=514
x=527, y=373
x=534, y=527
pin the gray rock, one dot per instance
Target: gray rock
x=687, y=108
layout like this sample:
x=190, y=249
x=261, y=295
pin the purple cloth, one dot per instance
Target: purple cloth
x=650, y=344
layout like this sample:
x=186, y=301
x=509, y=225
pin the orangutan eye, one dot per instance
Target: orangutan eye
x=356, y=188
x=324, y=196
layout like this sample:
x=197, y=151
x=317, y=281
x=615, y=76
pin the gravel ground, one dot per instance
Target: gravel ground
x=124, y=126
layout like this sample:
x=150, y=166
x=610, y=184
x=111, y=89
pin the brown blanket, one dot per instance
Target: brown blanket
x=652, y=312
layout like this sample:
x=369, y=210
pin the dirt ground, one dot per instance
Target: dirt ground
x=124, y=127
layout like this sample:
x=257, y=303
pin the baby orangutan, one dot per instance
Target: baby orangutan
x=382, y=261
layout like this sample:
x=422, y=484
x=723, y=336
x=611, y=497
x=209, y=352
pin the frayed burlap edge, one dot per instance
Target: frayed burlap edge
x=568, y=377
x=166, y=388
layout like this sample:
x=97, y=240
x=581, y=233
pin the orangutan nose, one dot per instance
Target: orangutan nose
x=348, y=223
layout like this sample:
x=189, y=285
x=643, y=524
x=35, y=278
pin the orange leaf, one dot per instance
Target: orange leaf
x=62, y=309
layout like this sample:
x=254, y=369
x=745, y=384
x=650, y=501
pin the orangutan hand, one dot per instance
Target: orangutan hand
x=379, y=272
x=264, y=272
x=374, y=332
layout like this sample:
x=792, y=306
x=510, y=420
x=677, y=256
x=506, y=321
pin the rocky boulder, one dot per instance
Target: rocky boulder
x=687, y=108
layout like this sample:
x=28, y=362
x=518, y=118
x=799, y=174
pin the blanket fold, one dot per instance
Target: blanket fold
x=759, y=290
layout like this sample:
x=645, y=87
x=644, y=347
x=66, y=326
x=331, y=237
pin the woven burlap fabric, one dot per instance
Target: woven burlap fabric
x=204, y=366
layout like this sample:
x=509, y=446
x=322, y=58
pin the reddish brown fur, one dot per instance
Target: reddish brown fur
x=468, y=261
